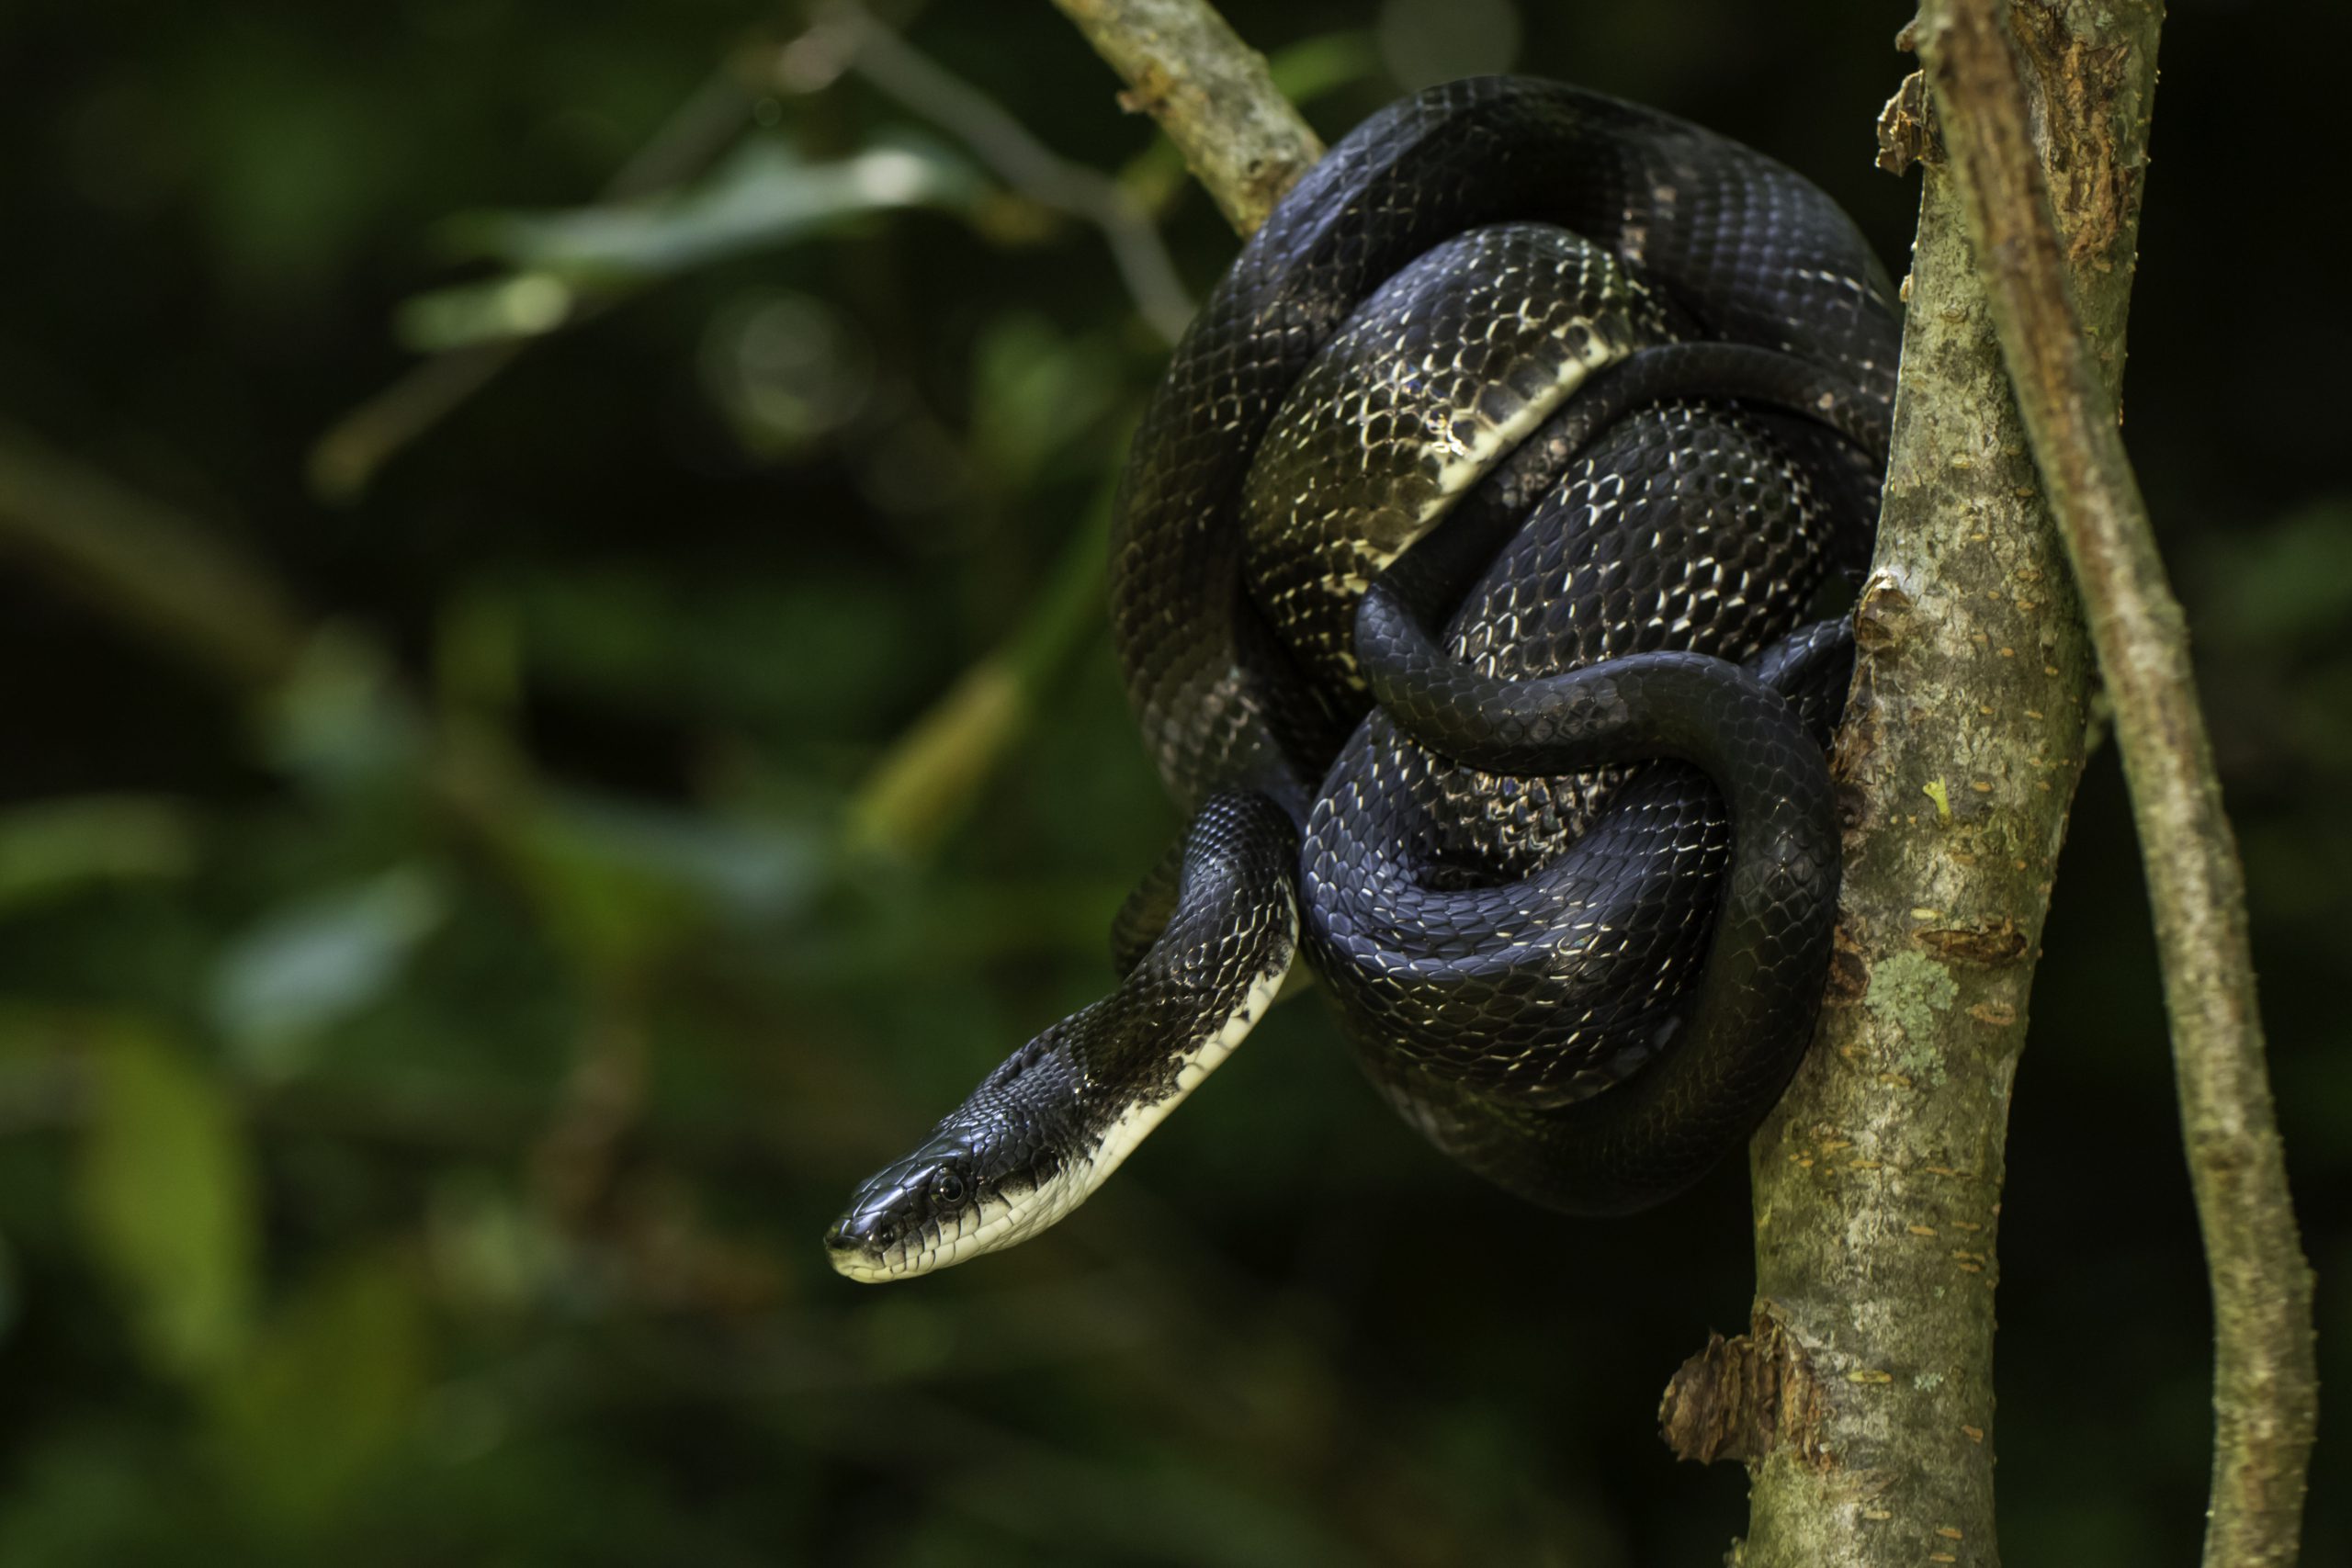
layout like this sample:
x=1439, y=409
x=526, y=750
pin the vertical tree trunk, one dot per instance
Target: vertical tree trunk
x=2265, y=1393
x=1861, y=1396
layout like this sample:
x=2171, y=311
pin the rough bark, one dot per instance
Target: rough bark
x=1878, y=1180
x=2265, y=1386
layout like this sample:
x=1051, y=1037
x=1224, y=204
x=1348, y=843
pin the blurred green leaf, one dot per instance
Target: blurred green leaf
x=340, y=722
x=620, y=883
x=168, y=1201
x=1033, y=393
x=326, y=1393
x=11, y=1296
x=527, y=304
x=2285, y=586
x=57, y=846
x=1313, y=67
x=489, y=1251
x=764, y=195
x=315, y=961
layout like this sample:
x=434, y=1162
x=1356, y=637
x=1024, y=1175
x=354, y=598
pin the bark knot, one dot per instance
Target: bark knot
x=1986, y=946
x=1883, y=618
x=1907, y=127
x=2080, y=89
x=1745, y=1397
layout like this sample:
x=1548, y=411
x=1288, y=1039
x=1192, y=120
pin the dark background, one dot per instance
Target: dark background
x=438, y=1017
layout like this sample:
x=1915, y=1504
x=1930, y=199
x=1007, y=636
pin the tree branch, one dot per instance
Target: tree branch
x=145, y=564
x=346, y=459
x=2265, y=1388
x=1247, y=145
x=1210, y=92
x=1003, y=143
x=1863, y=1395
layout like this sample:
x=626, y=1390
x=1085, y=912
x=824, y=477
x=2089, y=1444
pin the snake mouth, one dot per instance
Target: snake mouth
x=873, y=1246
x=861, y=1256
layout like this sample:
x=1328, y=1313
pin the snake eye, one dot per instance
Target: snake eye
x=947, y=1187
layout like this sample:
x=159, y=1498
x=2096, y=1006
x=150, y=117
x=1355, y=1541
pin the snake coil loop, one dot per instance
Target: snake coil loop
x=1540, y=792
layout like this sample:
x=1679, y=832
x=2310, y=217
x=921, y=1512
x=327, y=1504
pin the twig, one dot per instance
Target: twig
x=929, y=777
x=145, y=563
x=1247, y=145
x=1002, y=142
x=346, y=459
x=2265, y=1392
x=1210, y=92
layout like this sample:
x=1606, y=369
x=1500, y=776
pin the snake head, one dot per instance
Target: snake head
x=972, y=1187
x=1042, y=1130
x=896, y=1221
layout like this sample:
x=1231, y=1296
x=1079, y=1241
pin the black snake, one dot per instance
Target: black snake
x=1540, y=792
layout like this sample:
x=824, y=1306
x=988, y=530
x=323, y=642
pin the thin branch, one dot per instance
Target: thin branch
x=1247, y=145
x=346, y=459
x=888, y=61
x=930, y=776
x=2265, y=1392
x=169, y=575
x=1210, y=92
x=146, y=564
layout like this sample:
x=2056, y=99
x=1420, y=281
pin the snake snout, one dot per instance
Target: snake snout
x=851, y=1233
x=872, y=1238
x=860, y=1243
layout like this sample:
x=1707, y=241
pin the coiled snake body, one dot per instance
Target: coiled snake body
x=1540, y=793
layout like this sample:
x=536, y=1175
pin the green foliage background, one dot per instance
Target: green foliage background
x=468, y=911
